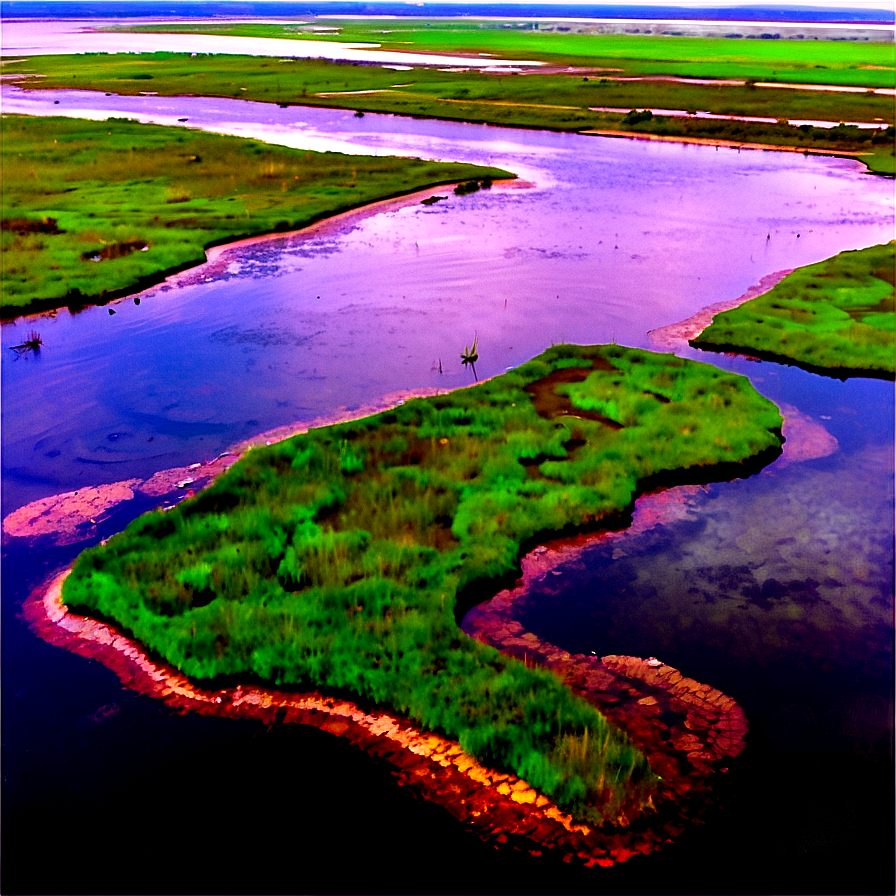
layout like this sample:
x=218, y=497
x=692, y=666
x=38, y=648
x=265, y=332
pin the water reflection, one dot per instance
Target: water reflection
x=604, y=240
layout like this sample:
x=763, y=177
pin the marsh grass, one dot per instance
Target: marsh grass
x=835, y=316
x=336, y=559
x=560, y=100
x=92, y=210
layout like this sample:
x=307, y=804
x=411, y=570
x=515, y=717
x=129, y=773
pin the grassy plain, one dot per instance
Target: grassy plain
x=560, y=100
x=337, y=559
x=834, y=317
x=92, y=210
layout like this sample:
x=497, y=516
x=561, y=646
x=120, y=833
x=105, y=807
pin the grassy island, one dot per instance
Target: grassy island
x=834, y=317
x=338, y=559
x=95, y=210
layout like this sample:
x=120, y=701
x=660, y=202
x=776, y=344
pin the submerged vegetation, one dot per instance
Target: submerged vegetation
x=834, y=317
x=92, y=210
x=339, y=559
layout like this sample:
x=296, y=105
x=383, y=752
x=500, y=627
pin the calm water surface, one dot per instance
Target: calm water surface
x=601, y=240
x=778, y=589
x=29, y=38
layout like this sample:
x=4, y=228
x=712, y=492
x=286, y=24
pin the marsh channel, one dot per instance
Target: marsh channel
x=777, y=589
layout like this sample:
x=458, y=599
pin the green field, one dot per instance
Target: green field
x=93, y=210
x=336, y=559
x=834, y=317
x=797, y=61
x=559, y=100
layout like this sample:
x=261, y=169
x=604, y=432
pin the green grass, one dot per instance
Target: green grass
x=92, y=210
x=835, y=317
x=799, y=61
x=560, y=101
x=337, y=559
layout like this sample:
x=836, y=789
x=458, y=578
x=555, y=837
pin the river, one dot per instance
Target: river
x=599, y=240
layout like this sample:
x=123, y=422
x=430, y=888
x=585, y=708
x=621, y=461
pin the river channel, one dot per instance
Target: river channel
x=778, y=589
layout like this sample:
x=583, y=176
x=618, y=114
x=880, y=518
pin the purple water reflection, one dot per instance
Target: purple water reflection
x=606, y=240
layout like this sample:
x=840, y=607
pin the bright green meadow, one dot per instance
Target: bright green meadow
x=859, y=64
x=94, y=210
x=833, y=317
x=339, y=558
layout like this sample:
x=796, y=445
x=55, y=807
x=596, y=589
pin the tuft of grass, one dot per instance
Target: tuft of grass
x=338, y=559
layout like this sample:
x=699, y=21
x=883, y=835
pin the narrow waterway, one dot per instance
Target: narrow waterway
x=599, y=240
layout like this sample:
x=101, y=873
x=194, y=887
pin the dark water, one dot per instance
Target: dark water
x=777, y=589
x=609, y=240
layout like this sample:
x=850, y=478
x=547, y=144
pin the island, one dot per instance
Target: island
x=340, y=559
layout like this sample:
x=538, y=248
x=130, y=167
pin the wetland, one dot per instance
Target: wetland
x=352, y=310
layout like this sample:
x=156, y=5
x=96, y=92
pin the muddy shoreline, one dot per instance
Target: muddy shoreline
x=214, y=254
x=497, y=807
x=728, y=144
x=690, y=731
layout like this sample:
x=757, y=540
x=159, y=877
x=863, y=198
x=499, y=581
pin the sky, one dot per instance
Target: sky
x=841, y=4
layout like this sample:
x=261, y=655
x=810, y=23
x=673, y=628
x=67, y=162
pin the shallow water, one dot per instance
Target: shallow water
x=606, y=239
x=768, y=584
x=29, y=38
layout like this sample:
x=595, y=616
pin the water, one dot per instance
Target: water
x=604, y=240
x=27, y=38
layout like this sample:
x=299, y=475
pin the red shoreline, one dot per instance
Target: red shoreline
x=707, y=732
x=495, y=806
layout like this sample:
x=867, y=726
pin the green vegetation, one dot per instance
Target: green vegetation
x=833, y=317
x=339, y=558
x=92, y=210
x=560, y=100
x=793, y=61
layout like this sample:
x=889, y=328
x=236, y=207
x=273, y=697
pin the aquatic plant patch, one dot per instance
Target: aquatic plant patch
x=92, y=210
x=835, y=317
x=338, y=559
